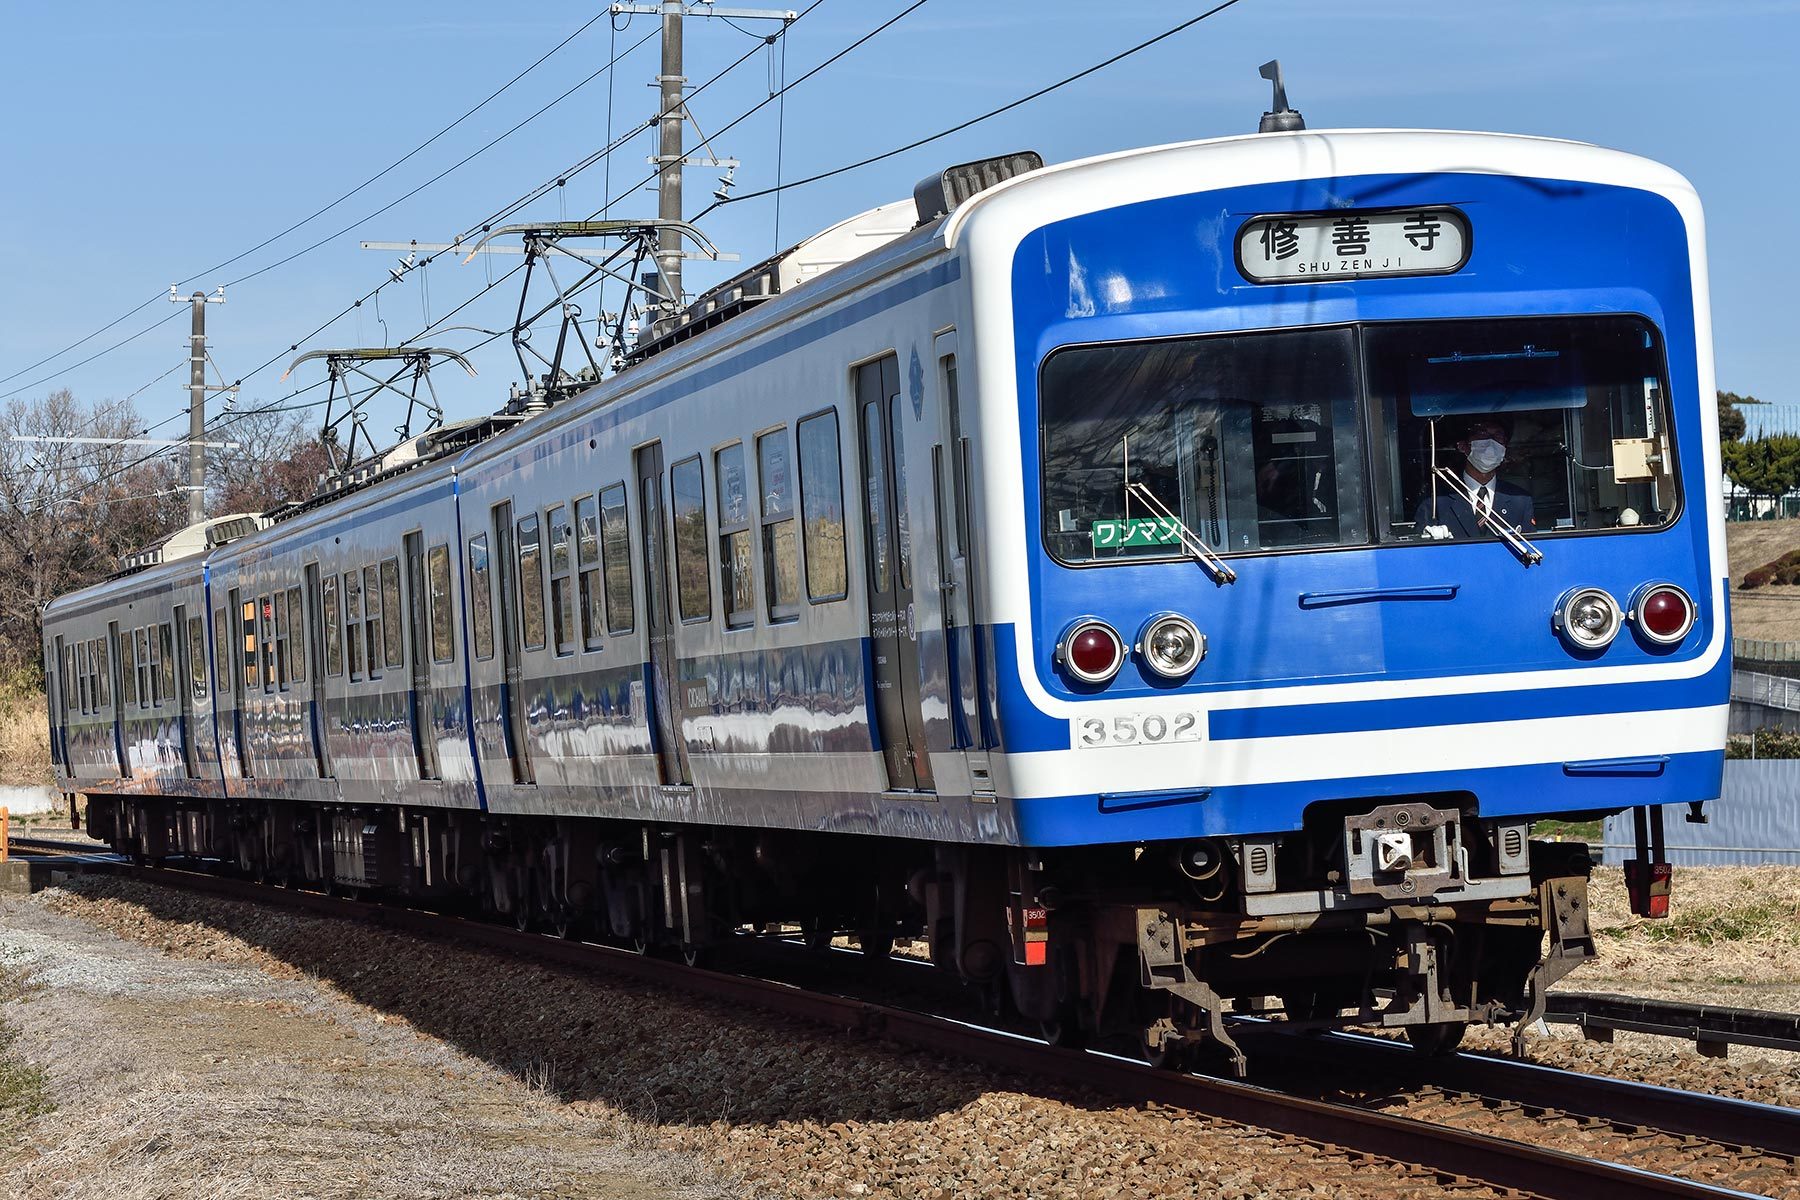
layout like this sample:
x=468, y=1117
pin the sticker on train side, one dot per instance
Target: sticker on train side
x=1135, y=729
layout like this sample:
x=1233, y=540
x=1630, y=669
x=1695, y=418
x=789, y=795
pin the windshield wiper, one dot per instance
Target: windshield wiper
x=1528, y=554
x=1191, y=542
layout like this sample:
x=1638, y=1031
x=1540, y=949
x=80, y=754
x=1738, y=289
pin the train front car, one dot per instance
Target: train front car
x=1368, y=518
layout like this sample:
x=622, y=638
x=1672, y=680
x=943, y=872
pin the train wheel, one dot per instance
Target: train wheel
x=1064, y=1029
x=875, y=944
x=1436, y=1040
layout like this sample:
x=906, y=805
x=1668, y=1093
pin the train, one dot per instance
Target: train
x=1171, y=585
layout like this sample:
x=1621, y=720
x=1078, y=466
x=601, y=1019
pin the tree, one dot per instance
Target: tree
x=1768, y=465
x=279, y=459
x=1731, y=421
x=70, y=511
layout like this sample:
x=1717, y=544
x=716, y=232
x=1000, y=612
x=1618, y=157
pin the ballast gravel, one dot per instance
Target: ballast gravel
x=742, y=1103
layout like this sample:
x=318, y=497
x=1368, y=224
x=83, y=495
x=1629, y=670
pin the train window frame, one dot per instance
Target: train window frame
x=334, y=627
x=265, y=640
x=616, y=560
x=560, y=565
x=533, y=617
x=481, y=598
x=198, y=683
x=693, y=567
x=373, y=632
x=825, y=559
x=440, y=606
x=102, y=673
x=590, y=598
x=778, y=517
x=155, y=663
x=127, y=671
x=278, y=618
x=166, y=635
x=393, y=639
x=81, y=678
x=734, y=539
x=353, y=618
x=296, y=628
x=141, y=638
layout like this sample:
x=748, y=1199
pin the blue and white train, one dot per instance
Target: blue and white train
x=1088, y=567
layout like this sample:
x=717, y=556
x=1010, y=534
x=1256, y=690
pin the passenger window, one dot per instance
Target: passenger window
x=81, y=677
x=443, y=633
x=252, y=677
x=587, y=555
x=737, y=587
x=562, y=596
x=780, y=540
x=392, y=642
x=142, y=637
x=372, y=622
x=196, y=636
x=127, y=671
x=266, y=641
x=615, y=543
x=334, y=630
x=155, y=657
x=282, y=649
x=531, y=583
x=166, y=634
x=296, y=628
x=822, y=508
x=481, y=598
x=353, y=641
x=695, y=594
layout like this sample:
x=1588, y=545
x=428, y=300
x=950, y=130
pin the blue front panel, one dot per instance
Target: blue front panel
x=1540, y=247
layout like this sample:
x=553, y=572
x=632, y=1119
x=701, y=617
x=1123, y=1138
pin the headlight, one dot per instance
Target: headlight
x=1588, y=618
x=1662, y=612
x=1090, y=651
x=1171, y=645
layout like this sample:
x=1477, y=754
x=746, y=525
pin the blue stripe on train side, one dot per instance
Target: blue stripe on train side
x=1270, y=808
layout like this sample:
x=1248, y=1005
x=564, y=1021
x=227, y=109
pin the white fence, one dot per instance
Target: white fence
x=1771, y=691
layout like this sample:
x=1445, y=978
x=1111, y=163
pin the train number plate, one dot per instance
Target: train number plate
x=1135, y=729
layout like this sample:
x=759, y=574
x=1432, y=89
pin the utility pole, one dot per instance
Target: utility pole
x=197, y=399
x=671, y=157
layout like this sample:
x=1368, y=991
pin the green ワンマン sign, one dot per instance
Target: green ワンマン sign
x=1138, y=531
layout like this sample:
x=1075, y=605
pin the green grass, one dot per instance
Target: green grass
x=1712, y=924
x=1568, y=831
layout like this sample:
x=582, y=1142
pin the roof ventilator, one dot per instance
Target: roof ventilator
x=938, y=195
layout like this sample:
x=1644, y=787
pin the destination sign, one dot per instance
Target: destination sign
x=1307, y=247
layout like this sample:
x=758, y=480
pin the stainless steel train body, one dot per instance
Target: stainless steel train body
x=789, y=618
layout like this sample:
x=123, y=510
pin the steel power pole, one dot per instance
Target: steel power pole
x=196, y=443
x=671, y=156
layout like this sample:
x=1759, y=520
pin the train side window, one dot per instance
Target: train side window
x=587, y=563
x=687, y=482
x=822, y=508
x=334, y=630
x=372, y=619
x=296, y=627
x=615, y=545
x=97, y=669
x=780, y=540
x=144, y=686
x=196, y=639
x=265, y=641
x=127, y=671
x=481, y=598
x=103, y=668
x=252, y=660
x=81, y=677
x=562, y=598
x=353, y=621
x=737, y=586
x=443, y=633
x=155, y=643
x=393, y=644
x=531, y=582
x=166, y=637
x=278, y=639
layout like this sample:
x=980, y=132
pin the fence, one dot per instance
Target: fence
x=1770, y=691
x=1755, y=821
x=1758, y=650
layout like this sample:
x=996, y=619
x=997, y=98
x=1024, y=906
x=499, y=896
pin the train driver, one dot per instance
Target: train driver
x=1445, y=514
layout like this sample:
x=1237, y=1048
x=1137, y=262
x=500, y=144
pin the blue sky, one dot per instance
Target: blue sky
x=147, y=142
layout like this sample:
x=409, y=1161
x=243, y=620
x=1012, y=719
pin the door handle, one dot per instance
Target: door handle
x=1430, y=591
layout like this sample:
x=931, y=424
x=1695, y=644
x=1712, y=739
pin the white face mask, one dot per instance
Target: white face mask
x=1485, y=454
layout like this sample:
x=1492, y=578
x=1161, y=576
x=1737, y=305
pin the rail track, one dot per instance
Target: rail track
x=1626, y=1139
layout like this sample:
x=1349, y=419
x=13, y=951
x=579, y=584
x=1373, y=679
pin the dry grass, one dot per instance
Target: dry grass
x=1729, y=928
x=23, y=1090
x=1771, y=612
x=24, y=740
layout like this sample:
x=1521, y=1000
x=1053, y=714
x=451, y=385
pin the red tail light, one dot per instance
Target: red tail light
x=1091, y=651
x=1663, y=613
x=1647, y=883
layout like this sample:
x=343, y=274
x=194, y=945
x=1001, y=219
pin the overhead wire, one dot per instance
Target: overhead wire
x=990, y=114
x=490, y=98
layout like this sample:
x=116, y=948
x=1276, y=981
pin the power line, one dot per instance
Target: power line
x=90, y=358
x=991, y=113
x=539, y=61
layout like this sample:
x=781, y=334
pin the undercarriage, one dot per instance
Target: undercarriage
x=1416, y=916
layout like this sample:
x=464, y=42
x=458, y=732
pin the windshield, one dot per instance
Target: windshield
x=1301, y=439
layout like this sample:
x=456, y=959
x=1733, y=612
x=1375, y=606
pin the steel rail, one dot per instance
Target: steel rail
x=1450, y=1154
x=1711, y=1027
